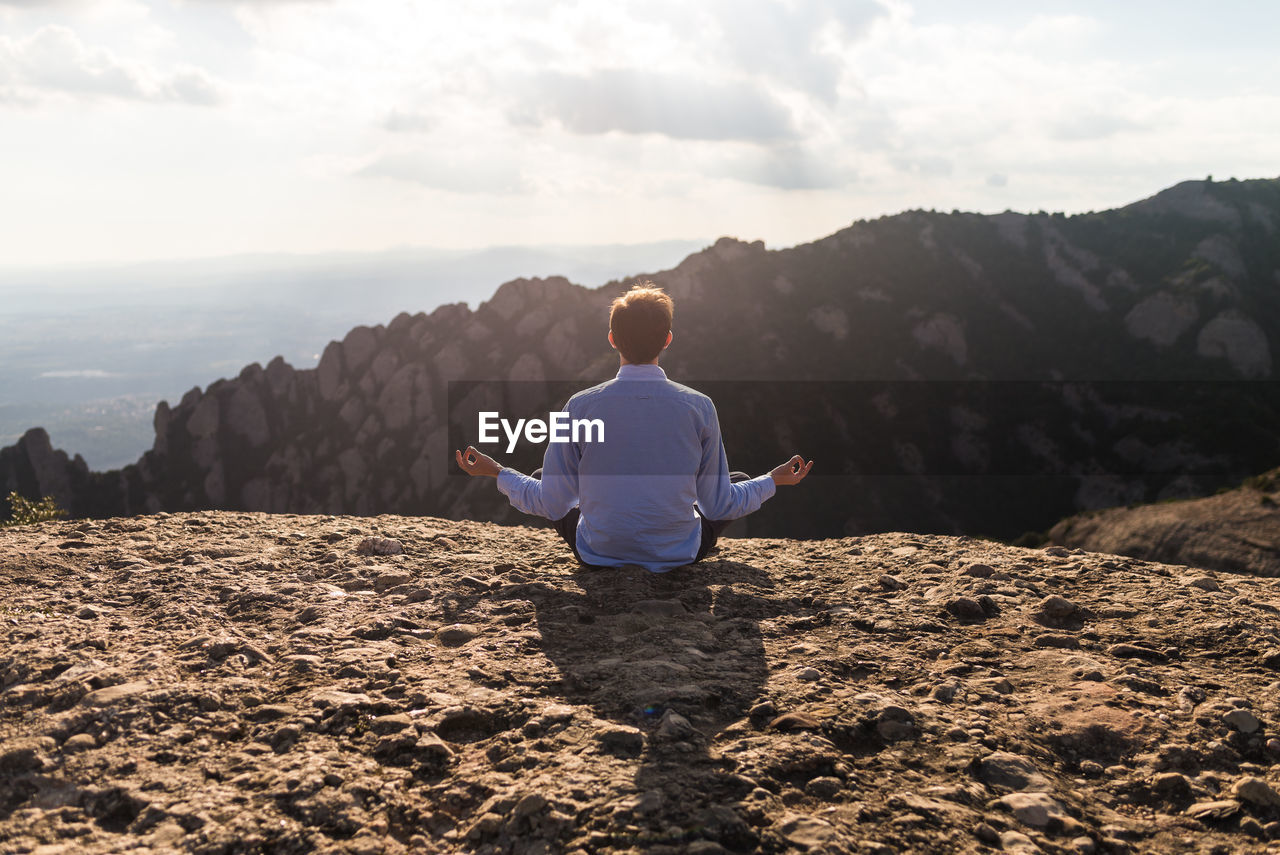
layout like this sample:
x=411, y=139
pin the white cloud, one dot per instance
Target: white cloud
x=642, y=102
x=54, y=60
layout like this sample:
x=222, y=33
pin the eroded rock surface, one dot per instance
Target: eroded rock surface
x=239, y=682
x=1237, y=531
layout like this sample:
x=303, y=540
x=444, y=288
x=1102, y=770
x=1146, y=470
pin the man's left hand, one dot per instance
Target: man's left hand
x=475, y=462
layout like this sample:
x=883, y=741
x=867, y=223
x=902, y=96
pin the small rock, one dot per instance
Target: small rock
x=1205, y=583
x=1092, y=769
x=824, y=787
x=79, y=742
x=764, y=709
x=1011, y=771
x=805, y=831
x=809, y=674
x=1271, y=659
x=1065, y=642
x=979, y=571
x=309, y=615
x=114, y=694
x=379, y=546
x=675, y=727
x=390, y=723
x=530, y=804
x=1242, y=720
x=1171, y=785
x=1221, y=809
x=894, y=723
x=89, y=613
x=457, y=634
x=271, y=712
x=1133, y=651
x=1256, y=791
x=891, y=583
x=945, y=692
x=621, y=738
x=387, y=581
x=25, y=754
x=1016, y=841
x=1033, y=809
x=1057, y=607
x=965, y=608
x=793, y=721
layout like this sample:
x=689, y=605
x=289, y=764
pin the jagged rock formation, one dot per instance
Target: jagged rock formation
x=985, y=374
x=1236, y=531
x=244, y=683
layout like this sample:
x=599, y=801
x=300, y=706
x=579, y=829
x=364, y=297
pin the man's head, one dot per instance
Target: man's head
x=640, y=323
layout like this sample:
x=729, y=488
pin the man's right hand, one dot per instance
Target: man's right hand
x=475, y=462
x=791, y=472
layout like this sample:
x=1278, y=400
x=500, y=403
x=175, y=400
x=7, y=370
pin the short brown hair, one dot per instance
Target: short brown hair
x=640, y=320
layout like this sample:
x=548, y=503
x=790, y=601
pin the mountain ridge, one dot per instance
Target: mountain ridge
x=1170, y=289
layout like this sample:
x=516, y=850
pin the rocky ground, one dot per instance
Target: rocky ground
x=231, y=682
x=1235, y=531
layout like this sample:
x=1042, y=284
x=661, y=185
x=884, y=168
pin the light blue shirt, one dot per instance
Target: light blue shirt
x=661, y=453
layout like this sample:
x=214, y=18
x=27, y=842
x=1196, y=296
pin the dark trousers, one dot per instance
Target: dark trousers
x=567, y=525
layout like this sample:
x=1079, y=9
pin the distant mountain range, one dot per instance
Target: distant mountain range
x=87, y=352
x=949, y=372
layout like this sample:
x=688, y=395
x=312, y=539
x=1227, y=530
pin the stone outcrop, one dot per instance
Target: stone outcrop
x=1237, y=531
x=1111, y=357
x=244, y=683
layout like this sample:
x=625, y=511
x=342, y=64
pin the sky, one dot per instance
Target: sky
x=163, y=129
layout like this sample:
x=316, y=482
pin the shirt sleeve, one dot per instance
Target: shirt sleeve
x=718, y=498
x=555, y=494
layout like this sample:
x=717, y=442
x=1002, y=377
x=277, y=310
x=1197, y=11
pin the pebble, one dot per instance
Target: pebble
x=1016, y=841
x=1133, y=651
x=1242, y=720
x=1033, y=809
x=622, y=738
x=390, y=723
x=79, y=742
x=965, y=608
x=379, y=546
x=1219, y=809
x=675, y=727
x=805, y=831
x=891, y=583
x=979, y=571
x=809, y=674
x=25, y=754
x=824, y=787
x=114, y=694
x=456, y=634
x=1011, y=771
x=1065, y=642
x=1205, y=583
x=1256, y=791
x=1057, y=607
x=792, y=721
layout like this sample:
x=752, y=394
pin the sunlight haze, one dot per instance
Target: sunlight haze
x=180, y=128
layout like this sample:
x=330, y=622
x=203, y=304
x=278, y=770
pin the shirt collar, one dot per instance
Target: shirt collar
x=641, y=372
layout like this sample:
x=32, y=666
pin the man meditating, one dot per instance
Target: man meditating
x=657, y=492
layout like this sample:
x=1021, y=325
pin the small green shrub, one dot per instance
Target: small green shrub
x=24, y=511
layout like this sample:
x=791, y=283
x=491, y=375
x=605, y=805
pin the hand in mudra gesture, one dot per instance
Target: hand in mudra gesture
x=791, y=472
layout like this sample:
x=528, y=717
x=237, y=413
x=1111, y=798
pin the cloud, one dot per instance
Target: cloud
x=455, y=172
x=791, y=167
x=640, y=102
x=54, y=60
x=1092, y=126
x=784, y=42
x=407, y=122
x=997, y=179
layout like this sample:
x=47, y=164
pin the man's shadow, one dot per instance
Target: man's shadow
x=636, y=647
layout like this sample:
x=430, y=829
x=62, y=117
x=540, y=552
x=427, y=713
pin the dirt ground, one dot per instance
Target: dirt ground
x=249, y=683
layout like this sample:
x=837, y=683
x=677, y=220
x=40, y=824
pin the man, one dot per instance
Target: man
x=657, y=491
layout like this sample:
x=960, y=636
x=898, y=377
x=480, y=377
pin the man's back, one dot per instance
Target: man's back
x=661, y=453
